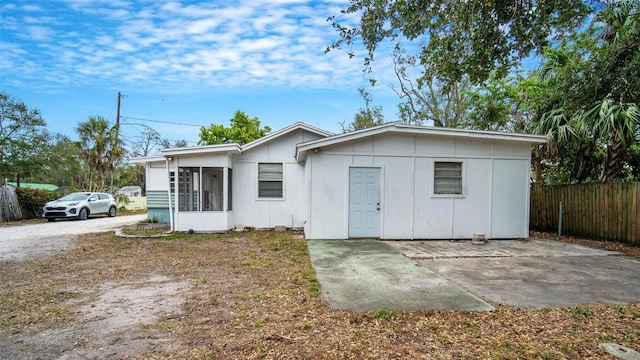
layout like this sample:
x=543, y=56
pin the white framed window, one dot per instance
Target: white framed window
x=447, y=178
x=270, y=180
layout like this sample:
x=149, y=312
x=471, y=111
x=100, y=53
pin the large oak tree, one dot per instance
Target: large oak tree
x=243, y=129
x=23, y=139
x=458, y=38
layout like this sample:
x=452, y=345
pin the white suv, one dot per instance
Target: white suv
x=80, y=205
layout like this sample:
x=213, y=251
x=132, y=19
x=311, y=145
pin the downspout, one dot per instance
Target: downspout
x=166, y=159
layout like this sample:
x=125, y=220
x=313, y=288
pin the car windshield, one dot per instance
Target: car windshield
x=74, y=197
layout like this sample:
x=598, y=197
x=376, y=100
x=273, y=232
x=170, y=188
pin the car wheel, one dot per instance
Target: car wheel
x=83, y=214
x=51, y=219
x=112, y=211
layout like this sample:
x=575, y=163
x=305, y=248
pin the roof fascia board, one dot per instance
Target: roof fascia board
x=146, y=159
x=302, y=149
x=478, y=134
x=202, y=149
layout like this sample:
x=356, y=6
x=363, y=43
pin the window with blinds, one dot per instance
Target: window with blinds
x=447, y=177
x=270, y=180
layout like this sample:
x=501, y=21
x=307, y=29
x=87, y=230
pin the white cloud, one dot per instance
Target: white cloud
x=201, y=26
x=169, y=44
x=38, y=33
x=31, y=8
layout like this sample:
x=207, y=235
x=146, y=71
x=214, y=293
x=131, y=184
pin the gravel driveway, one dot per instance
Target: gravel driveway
x=45, y=239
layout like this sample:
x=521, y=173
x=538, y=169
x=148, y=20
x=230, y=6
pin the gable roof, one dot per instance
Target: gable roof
x=284, y=131
x=231, y=147
x=395, y=127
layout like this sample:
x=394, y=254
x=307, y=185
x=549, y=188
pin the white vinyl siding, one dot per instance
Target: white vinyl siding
x=447, y=178
x=270, y=180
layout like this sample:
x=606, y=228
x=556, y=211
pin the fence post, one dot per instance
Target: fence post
x=560, y=221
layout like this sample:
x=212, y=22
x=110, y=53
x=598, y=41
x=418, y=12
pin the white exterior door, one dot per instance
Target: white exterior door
x=364, y=202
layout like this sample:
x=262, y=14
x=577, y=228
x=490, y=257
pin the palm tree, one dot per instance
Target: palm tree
x=100, y=149
x=593, y=118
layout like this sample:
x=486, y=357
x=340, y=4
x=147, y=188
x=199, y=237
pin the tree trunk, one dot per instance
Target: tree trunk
x=537, y=161
x=613, y=161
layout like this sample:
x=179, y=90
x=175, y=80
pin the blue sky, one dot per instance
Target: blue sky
x=188, y=63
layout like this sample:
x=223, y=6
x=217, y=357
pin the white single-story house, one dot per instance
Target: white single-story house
x=392, y=181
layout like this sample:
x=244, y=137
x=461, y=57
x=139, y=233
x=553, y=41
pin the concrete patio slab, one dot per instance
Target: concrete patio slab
x=534, y=273
x=438, y=249
x=365, y=275
x=539, y=282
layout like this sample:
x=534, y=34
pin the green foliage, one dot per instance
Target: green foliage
x=365, y=117
x=587, y=103
x=127, y=174
x=101, y=149
x=500, y=105
x=459, y=38
x=23, y=136
x=243, y=130
x=384, y=314
x=579, y=312
x=62, y=165
x=34, y=199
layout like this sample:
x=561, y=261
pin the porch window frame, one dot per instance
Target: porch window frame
x=177, y=187
x=229, y=187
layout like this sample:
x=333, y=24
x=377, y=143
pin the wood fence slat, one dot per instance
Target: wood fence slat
x=602, y=211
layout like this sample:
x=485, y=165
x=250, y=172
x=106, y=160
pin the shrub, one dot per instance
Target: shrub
x=34, y=199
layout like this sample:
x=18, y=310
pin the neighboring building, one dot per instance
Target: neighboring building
x=131, y=191
x=391, y=181
x=34, y=186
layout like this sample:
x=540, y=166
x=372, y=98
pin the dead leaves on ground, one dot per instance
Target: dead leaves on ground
x=254, y=295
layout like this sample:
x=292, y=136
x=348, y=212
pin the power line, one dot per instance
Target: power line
x=160, y=121
x=137, y=137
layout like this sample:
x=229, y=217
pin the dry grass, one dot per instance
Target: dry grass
x=255, y=295
x=22, y=222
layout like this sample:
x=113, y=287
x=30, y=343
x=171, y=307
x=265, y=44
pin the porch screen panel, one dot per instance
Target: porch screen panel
x=229, y=189
x=447, y=177
x=188, y=182
x=212, y=189
x=270, y=180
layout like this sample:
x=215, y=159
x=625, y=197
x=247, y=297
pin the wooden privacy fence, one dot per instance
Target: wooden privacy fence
x=597, y=211
x=9, y=207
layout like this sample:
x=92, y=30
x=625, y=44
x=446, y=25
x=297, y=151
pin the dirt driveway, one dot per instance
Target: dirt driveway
x=536, y=273
x=46, y=239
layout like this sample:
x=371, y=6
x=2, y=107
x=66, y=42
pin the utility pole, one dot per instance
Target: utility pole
x=115, y=144
x=118, y=115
